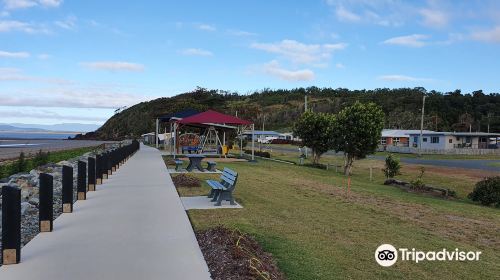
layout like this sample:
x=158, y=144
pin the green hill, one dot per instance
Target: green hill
x=451, y=111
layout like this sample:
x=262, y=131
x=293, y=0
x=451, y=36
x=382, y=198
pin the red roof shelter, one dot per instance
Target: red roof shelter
x=210, y=120
x=211, y=116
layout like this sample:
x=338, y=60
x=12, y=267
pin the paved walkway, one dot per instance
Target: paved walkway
x=133, y=227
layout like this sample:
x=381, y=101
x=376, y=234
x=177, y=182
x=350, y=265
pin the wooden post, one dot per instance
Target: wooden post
x=371, y=173
x=46, y=206
x=81, y=185
x=67, y=189
x=91, y=174
x=349, y=184
x=11, y=225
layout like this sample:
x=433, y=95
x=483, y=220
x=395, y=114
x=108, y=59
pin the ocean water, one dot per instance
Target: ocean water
x=27, y=135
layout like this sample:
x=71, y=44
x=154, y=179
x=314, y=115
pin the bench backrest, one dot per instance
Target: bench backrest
x=228, y=178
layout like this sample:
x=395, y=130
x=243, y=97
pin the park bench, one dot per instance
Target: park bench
x=211, y=166
x=178, y=164
x=223, y=190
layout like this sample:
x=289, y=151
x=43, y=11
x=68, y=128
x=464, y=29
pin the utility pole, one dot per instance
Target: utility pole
x=421, y=127
x=489, y=116
x=305, y=103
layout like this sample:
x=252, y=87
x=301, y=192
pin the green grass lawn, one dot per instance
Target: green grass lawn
x=315, y=230
x=462, y=181
x=384, y=154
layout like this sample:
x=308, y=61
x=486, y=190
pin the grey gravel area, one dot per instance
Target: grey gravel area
x=29, y=185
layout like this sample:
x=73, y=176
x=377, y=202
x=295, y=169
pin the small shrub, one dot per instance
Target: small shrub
x=487, y=191
x=392, y=167
x=20, y=165
x=40, y=158
x=418, y=183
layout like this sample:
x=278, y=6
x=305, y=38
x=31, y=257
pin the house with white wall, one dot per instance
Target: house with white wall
x=454, y=140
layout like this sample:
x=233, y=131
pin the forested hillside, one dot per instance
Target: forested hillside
x=277, y=109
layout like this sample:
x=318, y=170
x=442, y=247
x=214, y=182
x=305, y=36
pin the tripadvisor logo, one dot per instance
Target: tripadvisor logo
x=387, y=255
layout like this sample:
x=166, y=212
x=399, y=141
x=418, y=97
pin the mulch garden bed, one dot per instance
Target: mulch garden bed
x=233, y=255
x=184, y=180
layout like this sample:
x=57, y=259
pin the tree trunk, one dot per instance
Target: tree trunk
x=316, y=157
x=348, y=160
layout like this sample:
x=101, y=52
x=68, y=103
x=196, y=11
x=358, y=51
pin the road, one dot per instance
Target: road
x=480, y=164
x=10, y=149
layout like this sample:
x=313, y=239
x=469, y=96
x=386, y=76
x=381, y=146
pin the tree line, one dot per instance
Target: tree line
x=277, y=109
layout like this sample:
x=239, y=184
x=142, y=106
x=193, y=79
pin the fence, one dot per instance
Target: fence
x=453, y=151
x=108, y=163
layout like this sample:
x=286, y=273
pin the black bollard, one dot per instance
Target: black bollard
x=11, y=225
x=67, y=189
x=98, y=169
x=81, y=185
x=46, y=206
x=104, y=166
x=91, y=174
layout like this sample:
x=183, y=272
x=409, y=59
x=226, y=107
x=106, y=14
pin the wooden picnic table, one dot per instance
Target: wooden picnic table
x=195, y=161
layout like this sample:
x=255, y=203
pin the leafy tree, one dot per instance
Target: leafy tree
x=392, y=167
x=315, y=130
x=357, y=131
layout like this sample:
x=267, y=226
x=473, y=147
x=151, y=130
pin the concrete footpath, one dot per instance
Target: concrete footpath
x=133, y=227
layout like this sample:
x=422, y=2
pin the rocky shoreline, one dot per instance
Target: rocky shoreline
x=29, y=183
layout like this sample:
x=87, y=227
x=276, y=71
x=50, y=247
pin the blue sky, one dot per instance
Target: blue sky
x=77, y=61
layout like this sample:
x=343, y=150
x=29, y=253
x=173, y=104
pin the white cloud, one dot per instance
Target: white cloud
x=14, y=54
x=50, y=3
x=16, y=74
x=402, y=78
x=380, y=12
x=241, y=33
x=491, y=35
x=198, y=52
x=274, y=69
x=24, y=4
x=68, y=23
x=299, y=52
x=72, y=96
x=414, y=40
x=50, y=115
x=44, y=56
x=344, y=15
x=340, y=65
x=206, y=27
x=114, y=66
x=14, y=25
x=434, y=18
x=12, y=74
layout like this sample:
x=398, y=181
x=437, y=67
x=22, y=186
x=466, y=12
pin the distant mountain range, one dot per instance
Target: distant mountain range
x=66, y=127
